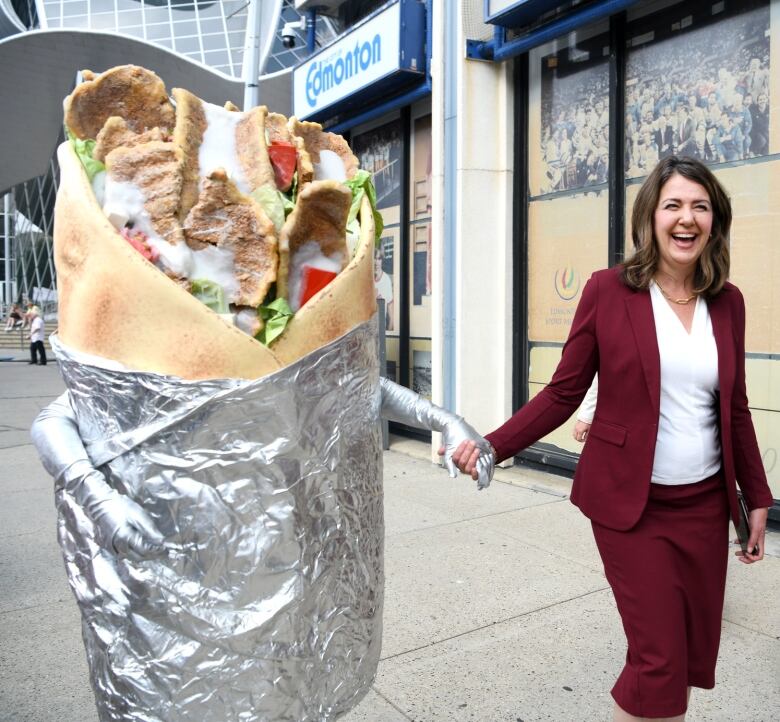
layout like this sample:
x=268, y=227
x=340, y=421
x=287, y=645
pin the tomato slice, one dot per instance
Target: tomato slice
x=313, y=280
x=284, y=158
x=137, y=239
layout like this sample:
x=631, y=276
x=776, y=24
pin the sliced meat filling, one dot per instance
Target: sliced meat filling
x=213, y=138
x=188, y=136
x=226, y=220
x=127, y=91
x=313, y=236
x=143, y=184
x=276, y=125
x=252, y=150
x=116, y=133
x=321, y=155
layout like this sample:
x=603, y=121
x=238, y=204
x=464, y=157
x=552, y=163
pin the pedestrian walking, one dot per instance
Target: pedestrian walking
x=37, y=336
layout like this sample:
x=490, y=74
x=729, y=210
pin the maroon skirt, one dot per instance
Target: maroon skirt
x=668, y=575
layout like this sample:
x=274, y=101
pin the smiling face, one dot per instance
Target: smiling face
x=682, y=224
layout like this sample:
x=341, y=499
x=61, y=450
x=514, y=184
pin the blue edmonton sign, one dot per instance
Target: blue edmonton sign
x=326, y=74
x=382, y=53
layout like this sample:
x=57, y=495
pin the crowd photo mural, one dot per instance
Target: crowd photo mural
x=575, y=120
x=688, y=92
x=699, y=93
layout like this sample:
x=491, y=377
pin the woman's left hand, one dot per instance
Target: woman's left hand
x=757, y=519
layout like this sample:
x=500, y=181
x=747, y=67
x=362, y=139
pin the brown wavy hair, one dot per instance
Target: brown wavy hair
x=712, y=267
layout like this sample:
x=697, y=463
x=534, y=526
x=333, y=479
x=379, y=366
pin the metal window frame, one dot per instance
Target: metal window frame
x=546, y=458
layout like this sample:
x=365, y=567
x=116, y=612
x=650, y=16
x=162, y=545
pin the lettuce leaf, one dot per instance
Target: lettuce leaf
x=361, y=185
x=210, y=294
x=270, y=201
x=276, y=204
x=276, y=315
x=84, y=149
x=293, y=192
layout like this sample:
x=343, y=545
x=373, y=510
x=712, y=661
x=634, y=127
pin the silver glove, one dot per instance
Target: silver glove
x=405, y=406
x=123, y=526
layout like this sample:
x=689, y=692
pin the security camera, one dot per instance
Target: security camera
x=289, y=35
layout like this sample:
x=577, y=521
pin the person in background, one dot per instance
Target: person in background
x=27, y=316
x=671, y=435
x=728, y=139
x=14, y=318
x=742, y=119
x=756, y=79
x=37, y=336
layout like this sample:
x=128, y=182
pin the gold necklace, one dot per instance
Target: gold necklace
x=680, y=301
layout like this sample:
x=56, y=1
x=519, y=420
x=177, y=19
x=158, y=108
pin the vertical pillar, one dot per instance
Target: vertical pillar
x=252, y=55
x=311, y=31
x=8, y=290
x=473, y=143
x=440, y=284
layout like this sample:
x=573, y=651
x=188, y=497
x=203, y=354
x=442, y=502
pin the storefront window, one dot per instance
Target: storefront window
x=420, y=256
x=379, y=151
x=573, y=122
x=568, y=123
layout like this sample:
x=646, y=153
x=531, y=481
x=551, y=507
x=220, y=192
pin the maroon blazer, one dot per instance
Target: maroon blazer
x=613, y=332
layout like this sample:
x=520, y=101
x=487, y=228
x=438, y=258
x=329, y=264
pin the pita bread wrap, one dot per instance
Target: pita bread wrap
x=116, y=304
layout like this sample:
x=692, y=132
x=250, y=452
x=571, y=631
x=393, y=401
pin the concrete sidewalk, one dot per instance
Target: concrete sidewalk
x=496, y=606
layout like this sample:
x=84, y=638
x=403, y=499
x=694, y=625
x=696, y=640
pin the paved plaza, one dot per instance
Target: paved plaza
x=496, y=605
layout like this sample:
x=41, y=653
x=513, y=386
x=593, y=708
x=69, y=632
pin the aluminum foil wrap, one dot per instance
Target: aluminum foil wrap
x=268, y=604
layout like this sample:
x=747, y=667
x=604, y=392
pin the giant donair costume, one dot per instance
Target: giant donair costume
x=219, y=500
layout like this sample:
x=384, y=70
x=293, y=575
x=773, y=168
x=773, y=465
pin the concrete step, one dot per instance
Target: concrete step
x=16, y=341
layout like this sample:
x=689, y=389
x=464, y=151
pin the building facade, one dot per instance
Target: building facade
x=507, y=154
x=545, y=118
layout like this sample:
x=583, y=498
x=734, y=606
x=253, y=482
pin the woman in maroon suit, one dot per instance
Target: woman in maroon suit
x=670, y=439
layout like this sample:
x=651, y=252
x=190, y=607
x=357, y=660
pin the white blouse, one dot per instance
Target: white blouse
x=687, y=448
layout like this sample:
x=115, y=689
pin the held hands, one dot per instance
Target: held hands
x=757, y=521
x=456, y=438
x=405, y=406
x=473, y=455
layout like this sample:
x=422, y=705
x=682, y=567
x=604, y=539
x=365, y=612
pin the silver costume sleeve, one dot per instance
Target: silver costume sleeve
x=124, y=527
x=405, y=406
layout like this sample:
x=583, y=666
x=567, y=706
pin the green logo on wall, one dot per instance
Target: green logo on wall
x=567, y=283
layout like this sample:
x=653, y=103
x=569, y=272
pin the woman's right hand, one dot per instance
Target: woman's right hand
x=580, y=431
x=467, y=455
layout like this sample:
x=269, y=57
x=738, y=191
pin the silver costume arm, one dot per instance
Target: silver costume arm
x=405, y=406
x=123, y=526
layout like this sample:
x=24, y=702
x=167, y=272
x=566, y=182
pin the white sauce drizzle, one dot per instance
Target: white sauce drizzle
x=218, y=148
x=353, y=239
x=216, y=264
x=124, y=203
x=246, y=320
x=330, y=167
x=309, y=254
x=99, y=186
